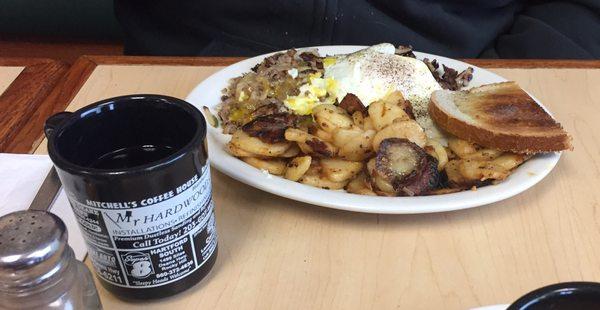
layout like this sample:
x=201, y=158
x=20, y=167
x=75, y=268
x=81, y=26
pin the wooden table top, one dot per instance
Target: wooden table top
x=277, y=253
x=24, y=86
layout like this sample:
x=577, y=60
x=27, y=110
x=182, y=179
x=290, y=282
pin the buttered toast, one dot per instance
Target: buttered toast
x=500, y=116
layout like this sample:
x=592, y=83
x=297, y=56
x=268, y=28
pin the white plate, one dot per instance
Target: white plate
x=208, y=93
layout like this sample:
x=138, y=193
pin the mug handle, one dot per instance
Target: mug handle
x=53, y=122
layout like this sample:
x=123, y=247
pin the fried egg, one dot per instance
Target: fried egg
x=374, y=72
x=370, y=74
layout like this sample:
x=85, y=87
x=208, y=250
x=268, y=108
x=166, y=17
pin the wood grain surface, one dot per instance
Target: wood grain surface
x=25, y=95
x=56, y=100
x=223, y=61
x=280, y=254
x=8, y=75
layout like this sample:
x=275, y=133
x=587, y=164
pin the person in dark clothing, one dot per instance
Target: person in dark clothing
x=453, y=28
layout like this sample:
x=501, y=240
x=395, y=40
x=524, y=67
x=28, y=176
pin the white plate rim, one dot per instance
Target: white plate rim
x=209, y=90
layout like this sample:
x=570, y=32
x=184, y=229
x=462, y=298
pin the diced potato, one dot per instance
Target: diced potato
x=293, y=151
x=359, y=119
x=359, y=147
x=380, y=185
x=360, y=185
x=317, y=180
x=296, y=135
x=468, y=150
x=401, y=129
x=330, y=117
x=297, y=167
x=323, y=135
x=310, y=144
x=455, y=178
x=368, y=124
x=509, y=161
x=342, y=136
x=339, y=170
x=254, y=145
x=481, y=170
x=237, y=152
x=385, y=111
x=435, y=149
x=273, y=166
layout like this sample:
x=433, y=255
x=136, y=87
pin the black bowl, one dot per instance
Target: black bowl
x=568, y=295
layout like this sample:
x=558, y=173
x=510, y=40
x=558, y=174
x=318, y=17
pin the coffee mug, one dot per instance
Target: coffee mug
x=135, y=170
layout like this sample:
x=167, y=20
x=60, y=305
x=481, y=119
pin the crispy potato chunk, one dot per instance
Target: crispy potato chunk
x=509, y=161
x=438, y=151
x=383, y=112
x=368, y=124
x=297, y=167
x=237, y=152
x=330, y=117
x=273, y=166
x=310, y=144
x=482, y=170
x=360, y=185
x=405, y=129
x=339, y=170
x=254, y=145
x=467, y=150
x=323, y=135
x=359, y=119
x=354, y=144
x=311, y=177
x=293, y=151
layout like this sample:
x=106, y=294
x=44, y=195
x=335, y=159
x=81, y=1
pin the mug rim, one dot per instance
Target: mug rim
x=539, y=293
x=62, y=163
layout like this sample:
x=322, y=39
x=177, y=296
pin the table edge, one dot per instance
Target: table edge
x=223, y=61
x=26, y=94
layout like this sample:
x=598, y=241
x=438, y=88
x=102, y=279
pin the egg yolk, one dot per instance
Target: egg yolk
x=317, y=91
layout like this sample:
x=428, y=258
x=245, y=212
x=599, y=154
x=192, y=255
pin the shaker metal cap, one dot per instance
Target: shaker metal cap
x=32, y=247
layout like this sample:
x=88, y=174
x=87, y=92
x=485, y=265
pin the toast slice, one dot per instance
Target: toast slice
x=499, y=116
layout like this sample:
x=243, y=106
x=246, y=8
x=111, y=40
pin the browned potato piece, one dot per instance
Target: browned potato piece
x=316, y=180
x=339, y=170
x=293, y=151
x=330, y=117
x=342, y=136
x=382, y=187
x=359, y=119
x=254, y=145
x=310, y=144
x=481, y=170
x=469, y=150
x=273, y=166
x=323, y=135
x=401, y=129
x=360, y=185
x=304, y=148
x=356, y=145
x=438, y=151
x=484, y=154
x=368, y=124
x=454, y=177
x=461, y=148
x=383, y=112
x=236, y=151
x=509, y=161
x=297, y=167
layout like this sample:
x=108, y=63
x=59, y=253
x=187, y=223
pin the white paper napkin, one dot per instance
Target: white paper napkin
x=21, y=176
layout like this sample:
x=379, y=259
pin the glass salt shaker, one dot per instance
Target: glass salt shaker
x=38, y=269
